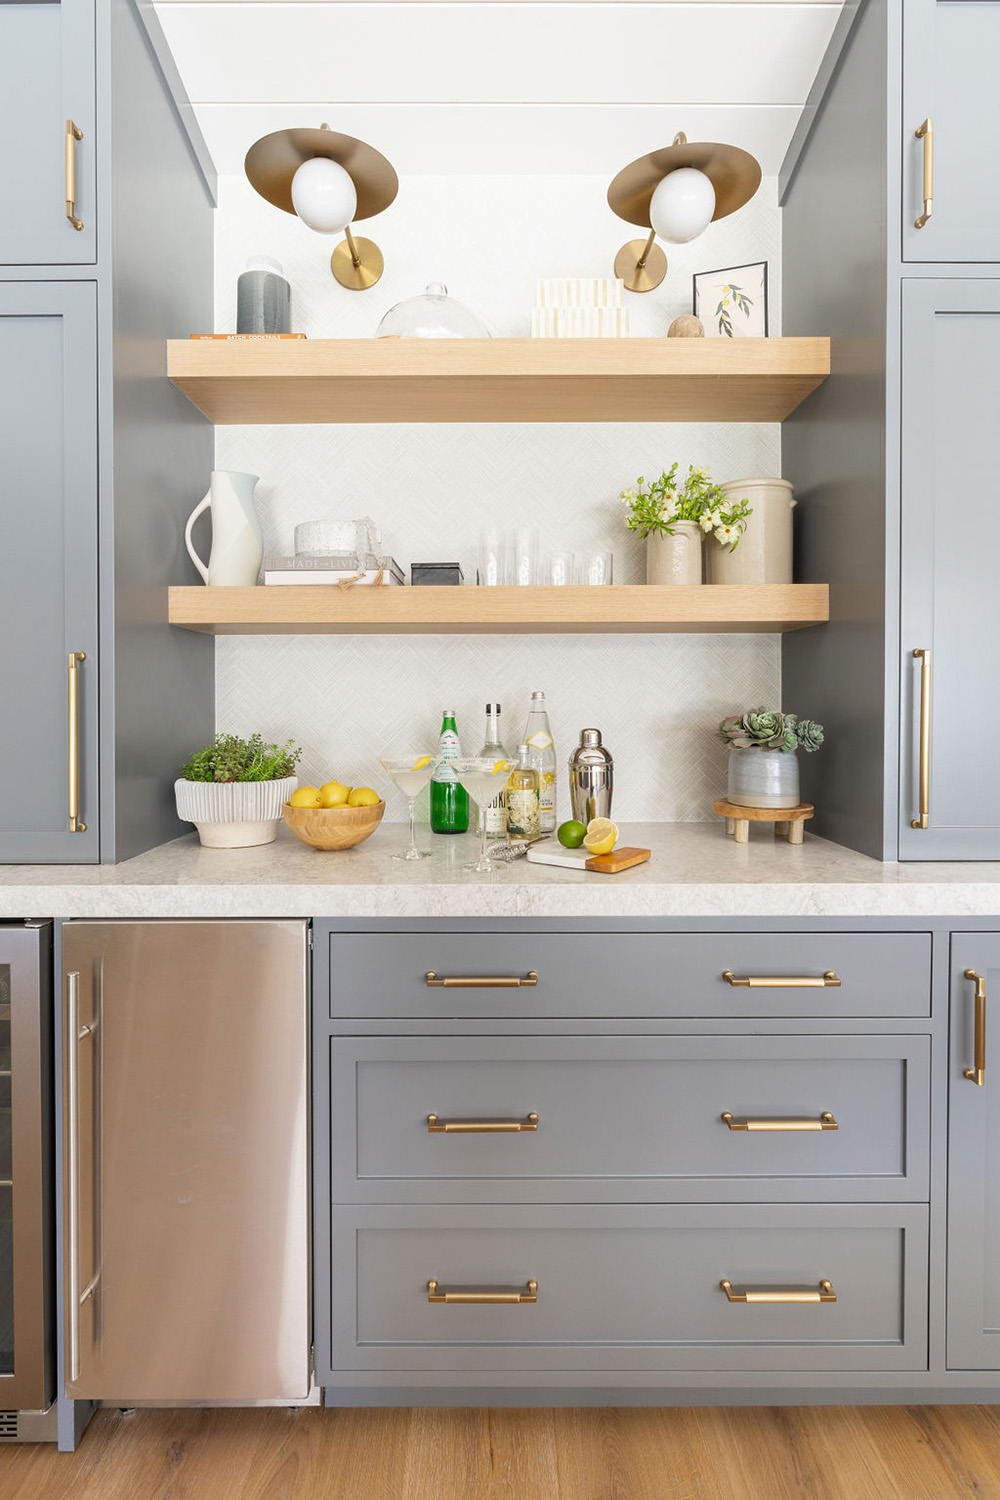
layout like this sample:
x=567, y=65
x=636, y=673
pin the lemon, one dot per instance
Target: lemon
x=363, y=796
x=502, y=765
x=571, y=834
x=602, y=836
x=306, y=796
x=424, y=760
x=334, y=794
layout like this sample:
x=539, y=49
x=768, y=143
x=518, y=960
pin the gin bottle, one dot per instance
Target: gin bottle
x=494, y=816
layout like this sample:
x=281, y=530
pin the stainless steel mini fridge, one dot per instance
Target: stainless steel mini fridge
x=185, y=1160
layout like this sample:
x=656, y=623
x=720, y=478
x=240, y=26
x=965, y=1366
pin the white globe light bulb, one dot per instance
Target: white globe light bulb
x=682, y=205
x=323, y=195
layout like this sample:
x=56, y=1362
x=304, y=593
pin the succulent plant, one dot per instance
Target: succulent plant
x=770, y=729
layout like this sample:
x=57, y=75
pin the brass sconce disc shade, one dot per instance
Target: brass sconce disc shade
x=641, y=268
x=272, y=162
x=734, y=174
x=359, y=270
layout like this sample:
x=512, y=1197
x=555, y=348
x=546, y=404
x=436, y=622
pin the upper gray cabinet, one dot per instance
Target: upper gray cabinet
x=950, y=50
x=47, y=95
x=950, y=539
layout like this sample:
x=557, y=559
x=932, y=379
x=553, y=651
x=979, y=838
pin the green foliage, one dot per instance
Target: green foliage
x=660, y=504
x=230, y=758
x=735, y=297
x=770, y=729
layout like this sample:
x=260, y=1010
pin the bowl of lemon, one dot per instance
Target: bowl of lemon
x=333, y=816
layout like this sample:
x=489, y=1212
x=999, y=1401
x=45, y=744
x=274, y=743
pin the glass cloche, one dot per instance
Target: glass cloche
x=432, y=315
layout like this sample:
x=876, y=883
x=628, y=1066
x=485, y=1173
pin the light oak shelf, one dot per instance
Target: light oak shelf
x=628, y=609
x=498, y=380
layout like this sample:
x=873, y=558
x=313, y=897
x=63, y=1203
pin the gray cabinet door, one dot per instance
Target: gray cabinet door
x=48, y=567
x=973, y=1152
x=950, y=49
x=949, y=547
x=47, y=47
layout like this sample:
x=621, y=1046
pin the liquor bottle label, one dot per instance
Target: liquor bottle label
x=448, y=749
x=522, y=813
x=495, y=816
x=539, y=741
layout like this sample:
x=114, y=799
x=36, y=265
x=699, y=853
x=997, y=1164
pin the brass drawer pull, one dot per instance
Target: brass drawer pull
x=480, y=1127
x=825, y=981
x=977, y=1074
x=746, y=1122
x=76, y=823
x=926, y=134
x=529, y=1293
x=823, y=1293
x=73, y=134
x=923, y=818
x=482, y=982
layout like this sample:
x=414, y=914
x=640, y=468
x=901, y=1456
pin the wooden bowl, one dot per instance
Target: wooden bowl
x=333, y=827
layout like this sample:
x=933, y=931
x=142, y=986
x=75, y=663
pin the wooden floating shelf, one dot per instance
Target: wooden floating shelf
x=630, y=609
x=498, y=380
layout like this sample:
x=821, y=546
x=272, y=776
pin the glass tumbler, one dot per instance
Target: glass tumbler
x=595, y=567
x=558, y=568
x=494, y=567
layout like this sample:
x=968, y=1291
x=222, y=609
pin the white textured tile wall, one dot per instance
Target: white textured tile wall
x=432, y=489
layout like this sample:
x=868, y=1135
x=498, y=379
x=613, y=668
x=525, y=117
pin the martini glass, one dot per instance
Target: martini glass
x=410, y=771
x=483, y=779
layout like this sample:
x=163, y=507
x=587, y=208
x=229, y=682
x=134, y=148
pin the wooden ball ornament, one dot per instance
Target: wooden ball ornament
x=687, y=326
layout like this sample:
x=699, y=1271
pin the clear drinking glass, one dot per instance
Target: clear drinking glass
x=594, y=567
x=494, y=565
x=482, y=778
x=558, y=569
x=525, y=560
x=410, y=770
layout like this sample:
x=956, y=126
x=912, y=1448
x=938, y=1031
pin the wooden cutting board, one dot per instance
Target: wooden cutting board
x=603, y=864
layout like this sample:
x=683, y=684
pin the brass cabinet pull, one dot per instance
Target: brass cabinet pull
x=506, y=1294
x=825, y=981
x=73, y=134
x=977, y=1074
x=480, y=1127
x=926, y=134
x=823, y=1293
x=747, y=1122
x=923, y=820
x=76, y=825
x=481, y=982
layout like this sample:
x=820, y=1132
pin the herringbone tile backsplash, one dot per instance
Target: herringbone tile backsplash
x=432, y=489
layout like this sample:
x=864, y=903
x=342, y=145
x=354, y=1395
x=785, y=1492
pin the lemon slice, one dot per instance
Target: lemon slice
x=501, y=765
x=601, y=837
x=424, y=760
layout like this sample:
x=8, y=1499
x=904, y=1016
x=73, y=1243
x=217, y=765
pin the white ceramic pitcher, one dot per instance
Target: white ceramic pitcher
x=237, y=548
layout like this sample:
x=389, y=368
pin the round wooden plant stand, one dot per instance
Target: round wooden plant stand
x=789, y=822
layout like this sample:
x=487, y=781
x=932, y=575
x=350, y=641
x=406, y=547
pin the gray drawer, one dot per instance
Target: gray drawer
x=628, y=974
x=629, y=1118
x=630, y=1288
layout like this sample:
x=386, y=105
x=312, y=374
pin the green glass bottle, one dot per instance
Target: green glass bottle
x=449, y=799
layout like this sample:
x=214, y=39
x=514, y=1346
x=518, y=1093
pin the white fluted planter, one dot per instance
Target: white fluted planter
x=675, y=558
x=763, y=778
x=234, y=814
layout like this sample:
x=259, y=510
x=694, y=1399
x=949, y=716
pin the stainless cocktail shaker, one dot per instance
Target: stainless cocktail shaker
x=591, y=778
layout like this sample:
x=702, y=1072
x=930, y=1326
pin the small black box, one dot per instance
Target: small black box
x=435, y=573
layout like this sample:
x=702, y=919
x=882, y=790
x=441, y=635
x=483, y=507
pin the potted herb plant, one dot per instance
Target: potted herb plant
x=233, y=790
x=673, y=518
x=763, y=764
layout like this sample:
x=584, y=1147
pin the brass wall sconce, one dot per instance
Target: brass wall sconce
x=676, y=193
x=327, y=180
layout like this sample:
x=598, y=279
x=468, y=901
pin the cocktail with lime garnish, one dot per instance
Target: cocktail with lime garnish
x=410, y=771
x=483, y=779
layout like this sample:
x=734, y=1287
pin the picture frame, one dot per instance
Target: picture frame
x=749, y=284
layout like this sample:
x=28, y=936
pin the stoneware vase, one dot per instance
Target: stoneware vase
x=234, y=814
x=677, y=558
x=237, y=549
x=763, y=778
x=764, y=554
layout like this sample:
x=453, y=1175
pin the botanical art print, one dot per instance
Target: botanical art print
x=732, y=303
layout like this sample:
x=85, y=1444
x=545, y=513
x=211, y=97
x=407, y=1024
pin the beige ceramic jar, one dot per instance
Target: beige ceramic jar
x=677, y=558
x=764, y=554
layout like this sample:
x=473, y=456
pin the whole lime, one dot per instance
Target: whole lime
x=572, y=834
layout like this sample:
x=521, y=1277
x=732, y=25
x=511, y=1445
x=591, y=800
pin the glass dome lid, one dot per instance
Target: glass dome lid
x=431, y=315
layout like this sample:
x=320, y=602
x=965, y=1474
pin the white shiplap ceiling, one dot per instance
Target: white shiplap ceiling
x=511, y=87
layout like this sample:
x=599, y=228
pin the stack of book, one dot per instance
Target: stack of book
x=580, y=307
x=354, y=568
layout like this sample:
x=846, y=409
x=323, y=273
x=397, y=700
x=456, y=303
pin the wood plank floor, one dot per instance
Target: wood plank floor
x=766, y=1453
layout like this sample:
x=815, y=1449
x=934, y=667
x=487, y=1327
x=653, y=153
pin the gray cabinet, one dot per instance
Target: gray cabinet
x=950, y=540
x=101, y=458
x=49, y=64
x=950, y=50
x=48, y=568
x=973, y=1151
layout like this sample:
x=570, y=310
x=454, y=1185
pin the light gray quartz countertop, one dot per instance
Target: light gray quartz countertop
x=695, y=871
